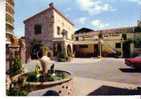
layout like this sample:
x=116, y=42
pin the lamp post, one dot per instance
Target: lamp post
x=100, y=47
x=100, y=42
x=122, y=47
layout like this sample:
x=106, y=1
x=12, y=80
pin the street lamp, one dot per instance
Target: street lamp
x=122, y=40
x=100, y=42
x=100, y=47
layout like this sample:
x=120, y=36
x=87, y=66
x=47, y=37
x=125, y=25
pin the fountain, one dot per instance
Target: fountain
x=47, y=81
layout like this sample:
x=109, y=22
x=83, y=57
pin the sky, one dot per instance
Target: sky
x=93, y=14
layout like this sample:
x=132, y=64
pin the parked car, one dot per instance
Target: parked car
x=112, y=53
x=134, y=62
x=136, y=53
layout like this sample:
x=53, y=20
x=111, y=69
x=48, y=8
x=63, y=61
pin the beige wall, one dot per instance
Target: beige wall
x=63, y=24
x=90, y=49
x=109, y=41
x=111, y=44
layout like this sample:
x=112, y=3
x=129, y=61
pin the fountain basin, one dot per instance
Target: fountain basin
x=63, y=87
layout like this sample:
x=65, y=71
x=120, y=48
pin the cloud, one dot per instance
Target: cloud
x=68, y=9
x=135, y=1
x=99, y=24
x=82, y=20
x=94, y=7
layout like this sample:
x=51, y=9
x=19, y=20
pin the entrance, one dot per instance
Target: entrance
x=96, y=50
x=36, y=51
x=57, y=48
x=69, y=51
x=126, y=49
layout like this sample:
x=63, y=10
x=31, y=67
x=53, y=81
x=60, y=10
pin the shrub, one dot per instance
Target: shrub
x=37, y=70
x=32, y=77
x=16, y=92
x=62, y=57
x=54, y=78
x=35, y=75
x=45, y=50
x=16, y=68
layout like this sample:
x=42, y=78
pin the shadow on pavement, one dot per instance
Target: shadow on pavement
x=108, y=90
x=51, y=93
x=130, y=70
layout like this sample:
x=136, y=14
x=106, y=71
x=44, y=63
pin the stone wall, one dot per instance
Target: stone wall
x=49, y=19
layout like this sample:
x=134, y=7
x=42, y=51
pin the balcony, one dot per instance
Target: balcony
x=9, y=28
x=11, y=2
x=9, y=20
x=9, y=9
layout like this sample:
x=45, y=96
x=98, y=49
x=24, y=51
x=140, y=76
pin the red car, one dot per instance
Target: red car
x=134, y=62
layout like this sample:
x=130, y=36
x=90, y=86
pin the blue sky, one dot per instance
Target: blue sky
x=94, y=14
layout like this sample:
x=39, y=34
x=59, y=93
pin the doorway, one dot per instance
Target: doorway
x=126, y=49
x=96, y=50
x=36, y=51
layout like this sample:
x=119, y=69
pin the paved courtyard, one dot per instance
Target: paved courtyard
x=91, y=74
x=106, y=69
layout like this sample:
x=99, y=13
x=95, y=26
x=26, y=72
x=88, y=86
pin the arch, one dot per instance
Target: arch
x=35, y=51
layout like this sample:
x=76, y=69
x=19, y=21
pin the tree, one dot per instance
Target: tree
x=16, y=67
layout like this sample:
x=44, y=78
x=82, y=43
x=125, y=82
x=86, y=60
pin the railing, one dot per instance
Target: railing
x=9, y=19
x=9, y=10
x=10, y=2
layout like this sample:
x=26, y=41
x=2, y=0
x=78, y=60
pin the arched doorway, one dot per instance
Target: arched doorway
x=69, y=50
x=36, y=51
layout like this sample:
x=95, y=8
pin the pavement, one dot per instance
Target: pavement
x=85, y=86
x=91, y=74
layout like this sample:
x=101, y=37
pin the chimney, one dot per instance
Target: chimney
x=51, y=5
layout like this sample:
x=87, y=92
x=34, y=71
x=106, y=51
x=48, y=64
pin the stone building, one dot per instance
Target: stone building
x=121, y=40
x=49, y=28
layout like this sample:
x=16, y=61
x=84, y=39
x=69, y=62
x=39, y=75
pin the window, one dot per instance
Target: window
x=137, y=29
x=137, y=43
x=65, y=33
x=77, y=38
x=38, y=29
x=124, y=36
x=83, y=46
x=58, y=30
x=72, y=36
x=118, y=45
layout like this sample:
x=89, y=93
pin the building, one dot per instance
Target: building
x=52, y=29
x=14, y=46
x=9, y=19
x=113, y=40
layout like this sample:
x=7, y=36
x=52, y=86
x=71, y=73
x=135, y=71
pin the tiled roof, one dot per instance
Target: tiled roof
x=84, y=30
x=119, y=30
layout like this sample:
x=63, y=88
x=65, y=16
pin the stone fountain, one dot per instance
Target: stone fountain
x=43, y=81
